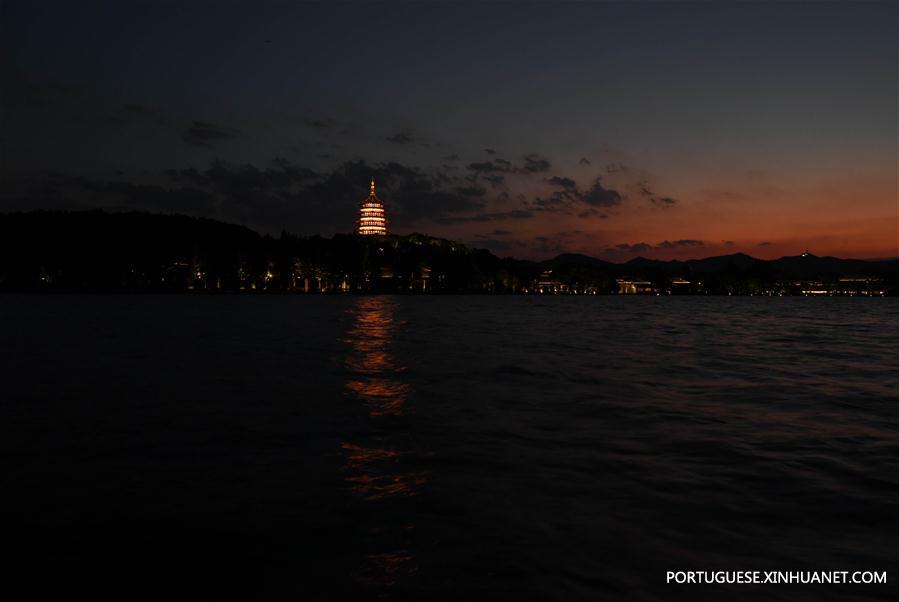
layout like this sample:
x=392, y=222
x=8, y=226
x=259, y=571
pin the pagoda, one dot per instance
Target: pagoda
x=371, y=215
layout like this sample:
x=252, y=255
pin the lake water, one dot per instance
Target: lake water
x=443, y=448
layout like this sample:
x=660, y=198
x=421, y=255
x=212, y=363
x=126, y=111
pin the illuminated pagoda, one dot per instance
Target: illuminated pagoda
x=371, y=215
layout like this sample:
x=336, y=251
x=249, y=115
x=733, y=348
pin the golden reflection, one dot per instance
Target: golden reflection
x=359, y=457
x=372, y=366
x=384, y=569
x=379, y=474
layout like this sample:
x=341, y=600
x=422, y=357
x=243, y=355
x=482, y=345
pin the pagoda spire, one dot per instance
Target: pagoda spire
x=372, y=218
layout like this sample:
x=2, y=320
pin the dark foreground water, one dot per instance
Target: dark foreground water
x=446, y=448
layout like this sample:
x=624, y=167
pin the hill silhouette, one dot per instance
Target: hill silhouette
x=99, y=251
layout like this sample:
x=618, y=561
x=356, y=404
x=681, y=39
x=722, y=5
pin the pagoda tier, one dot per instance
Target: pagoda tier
x=372, y=219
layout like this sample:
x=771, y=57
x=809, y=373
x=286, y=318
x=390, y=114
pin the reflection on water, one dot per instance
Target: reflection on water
x=377, y=471
x=374, y=371
x=384, y=569
x=553, y=448
x=375, y=475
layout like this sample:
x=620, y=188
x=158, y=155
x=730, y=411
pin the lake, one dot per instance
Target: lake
x=438, y=448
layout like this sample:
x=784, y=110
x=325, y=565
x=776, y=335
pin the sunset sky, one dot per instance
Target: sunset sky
x=675, y=129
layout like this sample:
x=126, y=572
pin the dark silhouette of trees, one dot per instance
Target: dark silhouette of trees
x=99, y=251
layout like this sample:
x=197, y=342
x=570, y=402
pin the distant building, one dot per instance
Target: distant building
x=372, y=219
x=848, y=286
x=680, y=286
x=635, y=287
x=546, y=284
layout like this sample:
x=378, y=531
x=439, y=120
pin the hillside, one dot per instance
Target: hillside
x=98, y=251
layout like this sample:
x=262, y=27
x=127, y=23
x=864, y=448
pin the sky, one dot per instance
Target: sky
x=614, y=129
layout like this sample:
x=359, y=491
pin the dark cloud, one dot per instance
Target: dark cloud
x=616, y=168
x=635, y=248
x=472, y=191
x=592, y=212
x=534, y=163
x=565, y=183
x=201, y=133
x=410, y=194
x=401, y=137
x=281, y=195
x=686, y=242
x=570, y=199
x=489, y=151
x=239, y=179
x=728, y=243
x=658, y=201
x=485, y=167
x=765, y=244
x=487, y=217
x=598, y=196
x=495, y=180
x=624, y=249
x=312, y=199
x=192, y=201
x=584, y=161
x=453, y=157
x=442, y=178
x=557, y=201
x=66, y=192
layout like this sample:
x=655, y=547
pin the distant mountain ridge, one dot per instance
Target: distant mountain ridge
x=800, y=266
